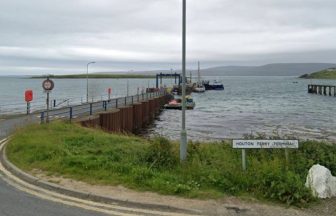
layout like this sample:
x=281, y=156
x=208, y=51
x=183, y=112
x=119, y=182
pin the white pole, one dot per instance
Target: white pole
x=183, y=144
x=87, y=81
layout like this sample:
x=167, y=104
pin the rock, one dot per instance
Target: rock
x=321, y=182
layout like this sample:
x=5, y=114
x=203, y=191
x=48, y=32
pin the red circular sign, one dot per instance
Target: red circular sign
x=48, y=85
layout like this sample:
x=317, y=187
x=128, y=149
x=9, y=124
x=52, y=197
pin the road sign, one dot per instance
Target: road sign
x=265, y=144
x=48, y=85
x=28, y=95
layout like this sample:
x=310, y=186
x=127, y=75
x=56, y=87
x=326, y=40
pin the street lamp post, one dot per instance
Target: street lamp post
x=87, y=81
x=183, y=144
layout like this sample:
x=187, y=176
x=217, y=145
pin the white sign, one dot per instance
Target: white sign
x=266, y=144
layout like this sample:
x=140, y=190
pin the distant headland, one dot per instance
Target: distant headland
x=329, y=73
x=97, y=76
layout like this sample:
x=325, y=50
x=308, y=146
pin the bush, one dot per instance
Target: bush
x=160, y=154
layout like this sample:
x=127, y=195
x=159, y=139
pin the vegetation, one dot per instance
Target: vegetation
x=212, y=170
x=324, y=74
x=98, y=76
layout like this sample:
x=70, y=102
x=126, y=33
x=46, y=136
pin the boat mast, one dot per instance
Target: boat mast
x=199, y=72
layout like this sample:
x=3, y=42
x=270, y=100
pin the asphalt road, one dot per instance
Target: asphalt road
x=17, y=203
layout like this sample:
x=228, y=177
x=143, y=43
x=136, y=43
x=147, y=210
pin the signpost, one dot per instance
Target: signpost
x=264, y=144
x=28, y=99
x=48, y=86
x=109, y=91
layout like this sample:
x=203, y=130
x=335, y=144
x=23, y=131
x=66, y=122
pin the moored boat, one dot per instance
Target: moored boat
x=199, y=88
x=215, y=85
x=177, y=103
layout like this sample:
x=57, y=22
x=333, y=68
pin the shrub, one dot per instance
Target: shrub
x=160, y=154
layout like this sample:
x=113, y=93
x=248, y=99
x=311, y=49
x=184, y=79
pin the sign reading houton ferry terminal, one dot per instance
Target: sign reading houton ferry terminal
x=266, y=144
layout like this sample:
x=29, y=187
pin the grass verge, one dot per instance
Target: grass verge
x=213, y=170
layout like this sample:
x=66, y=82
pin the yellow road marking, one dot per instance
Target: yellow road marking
x=76, y=202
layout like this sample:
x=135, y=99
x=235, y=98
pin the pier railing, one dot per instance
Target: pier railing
x=322, y=89
x=93, y=108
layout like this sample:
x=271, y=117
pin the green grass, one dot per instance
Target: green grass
x=324, y=74
x=98, y=76
x=213, y=170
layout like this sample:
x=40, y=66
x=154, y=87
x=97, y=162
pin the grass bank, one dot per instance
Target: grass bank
x=324, y=74
x=98, y=76
x=213, y=170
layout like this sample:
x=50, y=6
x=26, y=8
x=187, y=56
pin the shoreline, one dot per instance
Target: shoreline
x=97, y=76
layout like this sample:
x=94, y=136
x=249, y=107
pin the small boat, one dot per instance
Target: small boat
x=215, y=85
x=177, y=103
x=199, y=88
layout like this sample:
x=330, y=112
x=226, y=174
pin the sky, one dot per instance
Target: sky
x=61, y=36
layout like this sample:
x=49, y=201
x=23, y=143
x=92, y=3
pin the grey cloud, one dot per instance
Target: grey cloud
x=60, y=36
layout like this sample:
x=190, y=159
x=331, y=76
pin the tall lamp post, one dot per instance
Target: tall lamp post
x=87, y=81
x=183, y=143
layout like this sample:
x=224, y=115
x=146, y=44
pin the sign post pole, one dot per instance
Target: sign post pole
x=48, y=85
x=47, y=120
x=244, y=159
x=28, y=108
x=287, y=158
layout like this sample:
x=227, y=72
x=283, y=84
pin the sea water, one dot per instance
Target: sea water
x=253, y=104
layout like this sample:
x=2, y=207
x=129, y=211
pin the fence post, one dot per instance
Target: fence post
x=125, y=101
x=70, y=113
x=54, y=102
x=42, y=117
x=117, y=103
x=90, y=108
x=105, y=105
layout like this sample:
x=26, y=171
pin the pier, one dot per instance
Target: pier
x=327, y=90
x=127, y=118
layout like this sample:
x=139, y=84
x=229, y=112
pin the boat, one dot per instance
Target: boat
x=215, y=85
x=199, y=88
x=177, y=103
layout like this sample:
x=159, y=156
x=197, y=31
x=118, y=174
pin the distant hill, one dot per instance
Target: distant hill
x=329, y=73
x=281, y=69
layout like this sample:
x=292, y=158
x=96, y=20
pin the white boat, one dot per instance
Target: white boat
x=199, y=88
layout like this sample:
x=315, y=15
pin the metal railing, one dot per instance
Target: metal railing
x=88, y=109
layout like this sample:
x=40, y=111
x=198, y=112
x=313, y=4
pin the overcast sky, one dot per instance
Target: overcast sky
x=61, y=36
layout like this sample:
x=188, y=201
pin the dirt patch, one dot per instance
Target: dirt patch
x=225, y=206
